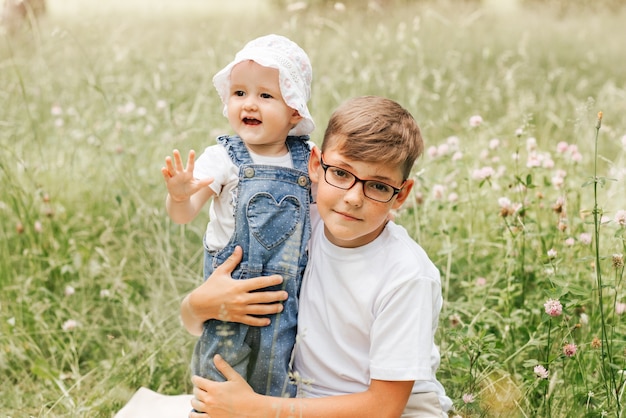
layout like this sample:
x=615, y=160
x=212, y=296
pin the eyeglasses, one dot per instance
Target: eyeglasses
x=372, y=189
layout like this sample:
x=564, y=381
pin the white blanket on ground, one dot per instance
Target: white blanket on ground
x=146, y=403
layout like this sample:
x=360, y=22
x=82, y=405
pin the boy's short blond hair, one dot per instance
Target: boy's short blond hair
x=375, y=129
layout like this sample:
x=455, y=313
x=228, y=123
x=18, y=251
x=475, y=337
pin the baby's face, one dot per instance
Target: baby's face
x=256, y=108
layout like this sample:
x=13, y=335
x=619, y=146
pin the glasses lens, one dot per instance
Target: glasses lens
x=378, y=191
x=339, y=178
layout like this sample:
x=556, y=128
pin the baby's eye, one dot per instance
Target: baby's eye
x=266, y=96
x=239, y=93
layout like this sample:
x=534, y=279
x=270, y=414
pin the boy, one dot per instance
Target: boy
x=370, y=298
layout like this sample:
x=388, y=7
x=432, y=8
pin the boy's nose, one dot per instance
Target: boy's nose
x=354, y=195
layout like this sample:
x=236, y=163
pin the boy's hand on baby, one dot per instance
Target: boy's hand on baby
x=223, y=399
x=179, y=179
x=237, y=300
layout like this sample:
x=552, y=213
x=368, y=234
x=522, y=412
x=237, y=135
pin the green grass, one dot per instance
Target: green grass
x=94, y=99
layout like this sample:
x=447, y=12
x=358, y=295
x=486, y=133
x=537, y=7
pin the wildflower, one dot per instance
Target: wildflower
x=105, y=293
x=562, y=147
x=443, y=149
x=553, y=307
x=453, y=141
x=457, y=156
x=11, y=321
x=584, y=318
x=56, y=110
x=618, y=261
x=70, y=325
x=339, y=7
x=570, y=349
x=585, y=238
x=69, y=290
x=297, y=6
x=534, y=160
x=569, y=241
x=432, y=151
x=531, y=144
x=577, y=157
x=620, y=308
x=38, y=227
x=475, y=121
x=455, y=320
x=519, y=132
x=541, y=372
x=453, y=197
x=596, y=343
x=552, y=253
x=494, y=143
x=161, y=104
x=548, y=162
x=19, y=228
x=620, y=217
x=559, y=205
x=468, y=398
x=483, y=173
x=481, y=281
x=438, y=191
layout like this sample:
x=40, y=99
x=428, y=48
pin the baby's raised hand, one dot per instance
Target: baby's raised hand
x=179, y=180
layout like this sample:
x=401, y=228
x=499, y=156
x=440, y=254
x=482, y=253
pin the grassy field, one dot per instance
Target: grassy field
x=521, y=198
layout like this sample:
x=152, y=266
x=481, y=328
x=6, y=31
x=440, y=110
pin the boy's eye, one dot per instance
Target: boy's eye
x=340, y=174
x=379, y=187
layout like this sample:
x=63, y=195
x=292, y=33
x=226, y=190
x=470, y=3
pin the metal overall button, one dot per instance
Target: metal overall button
x=248, y=172
x=303, y=181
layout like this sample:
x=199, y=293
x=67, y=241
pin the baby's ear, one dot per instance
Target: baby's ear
x=295, y=117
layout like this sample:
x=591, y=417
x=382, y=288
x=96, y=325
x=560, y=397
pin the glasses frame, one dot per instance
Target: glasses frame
x=325, y=167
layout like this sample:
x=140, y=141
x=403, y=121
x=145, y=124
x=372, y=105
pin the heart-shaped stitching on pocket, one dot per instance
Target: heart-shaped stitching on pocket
x=272, y=222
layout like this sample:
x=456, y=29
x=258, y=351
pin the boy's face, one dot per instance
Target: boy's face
x=256, y=108
x=350, y=218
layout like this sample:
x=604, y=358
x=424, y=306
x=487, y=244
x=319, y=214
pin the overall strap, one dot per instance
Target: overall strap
x=300, y=151
x=236, y=149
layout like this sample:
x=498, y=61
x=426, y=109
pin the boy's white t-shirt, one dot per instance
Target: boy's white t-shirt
x=215, y=162
x=368, y=313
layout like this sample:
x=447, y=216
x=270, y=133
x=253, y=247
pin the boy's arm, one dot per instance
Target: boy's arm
x=221, y=297
x=235, y=398
x=186, y=194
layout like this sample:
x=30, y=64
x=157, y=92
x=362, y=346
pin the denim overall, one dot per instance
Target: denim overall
x=272, y=226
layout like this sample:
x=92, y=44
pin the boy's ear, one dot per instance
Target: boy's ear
x=404, y=193
x=314, y=164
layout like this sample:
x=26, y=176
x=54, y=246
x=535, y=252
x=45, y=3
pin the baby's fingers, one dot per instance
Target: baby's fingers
x=178, y=161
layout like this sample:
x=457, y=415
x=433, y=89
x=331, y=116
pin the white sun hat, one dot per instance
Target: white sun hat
x=294, y=74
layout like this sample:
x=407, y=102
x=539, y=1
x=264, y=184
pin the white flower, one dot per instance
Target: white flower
x=69, y=290
x=475, y=121
x=70, y=325
x=541, y=372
